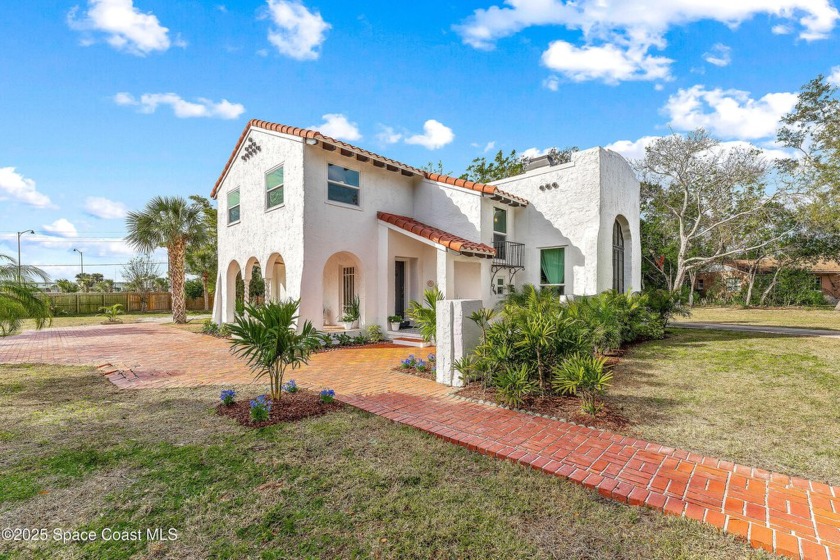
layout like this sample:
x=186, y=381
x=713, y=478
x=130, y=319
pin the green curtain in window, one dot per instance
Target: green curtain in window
x=552, y=263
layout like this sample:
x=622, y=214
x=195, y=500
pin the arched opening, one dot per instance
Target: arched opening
x=232, y=279
x=343, y=283
x=620, y=256
x=275, y=278
x=250, y=285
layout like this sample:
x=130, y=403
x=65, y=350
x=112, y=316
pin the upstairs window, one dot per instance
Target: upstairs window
x=233, y=206
x=553, y=269
x=274, y=188
x=342, y=185
x=499, y=231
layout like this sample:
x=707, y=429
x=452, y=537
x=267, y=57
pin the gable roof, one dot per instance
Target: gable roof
x=450, y=241
x=349, y=150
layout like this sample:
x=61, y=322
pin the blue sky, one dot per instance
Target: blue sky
x=105, y=103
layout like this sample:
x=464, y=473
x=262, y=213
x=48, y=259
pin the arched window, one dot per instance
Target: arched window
x=618, y=258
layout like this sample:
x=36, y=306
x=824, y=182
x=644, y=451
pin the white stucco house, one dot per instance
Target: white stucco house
x=327, y=221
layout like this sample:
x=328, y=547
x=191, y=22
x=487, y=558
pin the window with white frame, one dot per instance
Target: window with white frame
x=233, y=206
x=274, y=188
x=342, y=185
x=499, y=231
x=553, y=269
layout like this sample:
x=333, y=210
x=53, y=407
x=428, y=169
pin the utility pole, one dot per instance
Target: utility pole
x=82, y=259
x=18, y=240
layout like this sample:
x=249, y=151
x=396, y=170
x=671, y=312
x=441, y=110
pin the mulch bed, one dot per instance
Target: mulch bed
x=292, y=407
x=350, y=346
x=427, y=374
x=563, y=407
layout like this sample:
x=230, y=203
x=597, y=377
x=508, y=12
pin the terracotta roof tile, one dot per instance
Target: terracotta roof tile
x=448, y=240
x=489, y=190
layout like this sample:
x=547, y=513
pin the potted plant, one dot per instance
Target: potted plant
x=394, y=321
x=350, y=319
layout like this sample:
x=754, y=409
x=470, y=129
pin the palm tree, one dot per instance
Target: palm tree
x=267, y=338
x=19, y=297
x=172, y=222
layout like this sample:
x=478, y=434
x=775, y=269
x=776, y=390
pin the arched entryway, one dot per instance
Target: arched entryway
x=343, y=282
x=275, y=278
x=232, y=278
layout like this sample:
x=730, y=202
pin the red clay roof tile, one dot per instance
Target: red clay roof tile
x=448, y=240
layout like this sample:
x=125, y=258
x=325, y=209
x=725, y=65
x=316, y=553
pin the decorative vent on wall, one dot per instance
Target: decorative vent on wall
x=250, y=150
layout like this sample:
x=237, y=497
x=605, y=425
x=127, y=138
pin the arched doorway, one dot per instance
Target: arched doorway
x=343, y=282
x=275, y=278
x=234, y=273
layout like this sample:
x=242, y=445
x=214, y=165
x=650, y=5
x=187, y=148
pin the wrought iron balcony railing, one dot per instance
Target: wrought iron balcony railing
x=508, y=254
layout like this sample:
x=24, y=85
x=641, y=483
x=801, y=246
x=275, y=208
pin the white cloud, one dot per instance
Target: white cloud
x=125, y=27
x=552, y=83
x=299, y=32
x=719, y=55
x=183, y=109
x=781, y=29
x=635, y=149
x=617, y=35
x=632, y=149
x=387, y=135
x=728, y=113
x=337, y=126
x=609, y=62
x=834, y=77
x=17, y=187
x=435, y=135
x=62, y=228
x=489, y=146
x=106, y=209
x=535, y=152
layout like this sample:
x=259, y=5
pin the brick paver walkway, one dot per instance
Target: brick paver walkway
x=791, y=516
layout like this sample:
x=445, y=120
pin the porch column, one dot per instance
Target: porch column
x=246, y=280
x=382, y=279
x=445, y=273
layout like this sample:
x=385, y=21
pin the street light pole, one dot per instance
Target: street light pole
x=18, y=240
x=82, y=259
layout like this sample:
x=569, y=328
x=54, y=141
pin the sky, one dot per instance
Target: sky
x=106, y=103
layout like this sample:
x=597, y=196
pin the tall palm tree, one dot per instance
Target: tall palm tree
x=19, y=297
x=172, y=222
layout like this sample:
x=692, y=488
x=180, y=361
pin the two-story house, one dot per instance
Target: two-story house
x=327, y=222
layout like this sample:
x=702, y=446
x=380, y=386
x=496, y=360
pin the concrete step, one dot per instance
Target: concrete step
x=414, y=342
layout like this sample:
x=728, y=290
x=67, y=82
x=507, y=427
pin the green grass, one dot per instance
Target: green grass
x=762, y=400
x=802, y=317
x=345, y=485
x=85, y=320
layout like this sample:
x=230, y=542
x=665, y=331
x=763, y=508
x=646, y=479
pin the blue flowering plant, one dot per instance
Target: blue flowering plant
x=420, y=365
x=227, y=397
x=327, y=396
x=260, y=408
x=431, y=358
x=290, y=386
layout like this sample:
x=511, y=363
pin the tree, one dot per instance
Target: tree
x=704, y=194
x=202, y=258
x=87, y=281
x=66, y=286
x=267, y=337
x=501, y=167
x=140, y=274
x=19, y=297
x=812, y=128
x=171, y=222
x=104, y=286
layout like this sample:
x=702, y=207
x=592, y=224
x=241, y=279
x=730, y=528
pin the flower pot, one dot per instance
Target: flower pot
x=347, y=325
x=395, y=326
x=355, y=324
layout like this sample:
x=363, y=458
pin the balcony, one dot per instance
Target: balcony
x=508, y=255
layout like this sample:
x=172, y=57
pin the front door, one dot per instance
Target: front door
x=399, y=288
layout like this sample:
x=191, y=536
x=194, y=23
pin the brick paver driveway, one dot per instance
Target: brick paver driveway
x=791, y=516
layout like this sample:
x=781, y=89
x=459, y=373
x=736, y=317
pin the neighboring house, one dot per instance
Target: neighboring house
x=732, y=275
x=327, y=221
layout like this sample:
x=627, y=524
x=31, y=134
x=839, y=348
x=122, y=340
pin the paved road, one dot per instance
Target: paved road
x=788, y=331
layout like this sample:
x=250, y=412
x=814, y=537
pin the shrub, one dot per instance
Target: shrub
x=374, y=333
x=260, y=409
x=210, y=327
x=111, y=312
x=360, y=339
x=224, y=330
x=343, y=339
x=227, y=397
x=290, y=386
x=425, y=314
x=327, y=396
x=193, y=288
x=513, y=385
x=585, y=376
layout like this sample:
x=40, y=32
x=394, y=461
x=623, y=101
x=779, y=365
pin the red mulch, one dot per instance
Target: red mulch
x=427, y=374
x=292, y=407
x=566, y=407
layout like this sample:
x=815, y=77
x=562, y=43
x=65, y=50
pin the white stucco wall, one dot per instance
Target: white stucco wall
x=619, y=197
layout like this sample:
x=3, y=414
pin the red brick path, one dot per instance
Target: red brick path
x=791, y=516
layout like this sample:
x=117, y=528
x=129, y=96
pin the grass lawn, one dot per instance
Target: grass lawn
x=76, y=453
x=82, y=320
x=762, y=400
x=819, y=318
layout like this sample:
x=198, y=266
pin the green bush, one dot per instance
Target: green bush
x=513, y=385
x=193, y=288
x=585, y=376
x=425, y=314
x=375, y=334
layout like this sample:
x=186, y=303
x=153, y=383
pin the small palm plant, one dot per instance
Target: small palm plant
x=586, y=376
x=111, y=312
x=425, y=314
x=20, y=298
x=267, y=338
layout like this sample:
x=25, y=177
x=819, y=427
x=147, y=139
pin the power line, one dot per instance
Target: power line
x=92, y=265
